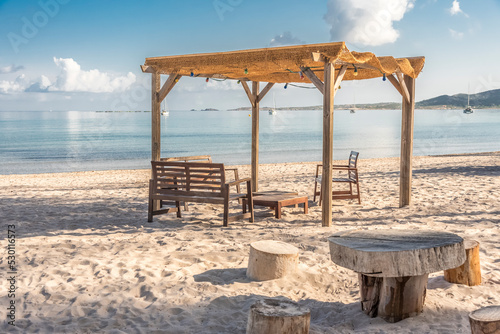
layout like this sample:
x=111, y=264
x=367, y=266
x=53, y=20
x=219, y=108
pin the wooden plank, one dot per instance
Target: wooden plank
x=249, y=93
x=408, y=110
x=265, y=91
x=338, y=78
x=255, y=137
x=316, y=56
x=155, y=125
x=395, y=83
x=167, y=86
x=147, y=69
x=314, y=79
x=326, y=181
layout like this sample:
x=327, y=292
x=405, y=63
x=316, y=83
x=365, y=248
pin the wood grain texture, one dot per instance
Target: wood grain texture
x=469, y=273
x=270, y=316
x=485, y=320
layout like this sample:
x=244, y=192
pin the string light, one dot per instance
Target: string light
x=192, y=74
x=238, y=82
x=286, y=85
x=301, y=75
x=206, y=80
x=246, y=70
x=176, y=79
x=383, y=77
x=355, y=71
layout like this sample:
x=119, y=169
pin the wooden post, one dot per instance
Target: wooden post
x=255, y=137
x=408, y=110
x=155, y=123
x=326, y=181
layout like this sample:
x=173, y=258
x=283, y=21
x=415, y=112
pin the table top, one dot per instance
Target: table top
x=396, y=252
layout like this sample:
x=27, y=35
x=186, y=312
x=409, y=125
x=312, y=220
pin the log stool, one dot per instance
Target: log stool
x=270, y=316
x=468, y=273
x=271, y=259
x=486, y=320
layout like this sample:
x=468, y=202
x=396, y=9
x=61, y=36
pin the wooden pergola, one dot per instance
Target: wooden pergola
x=324, y=65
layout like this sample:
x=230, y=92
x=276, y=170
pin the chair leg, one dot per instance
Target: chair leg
x=226, y=205
x=178, y=206
x=250, y=200
x=315, y=188
x=150, y=210
x=359, y=194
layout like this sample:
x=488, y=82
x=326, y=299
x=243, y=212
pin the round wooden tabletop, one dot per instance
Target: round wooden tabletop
x=396, y=253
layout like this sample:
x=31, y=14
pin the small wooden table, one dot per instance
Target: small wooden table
x=276, y=200
x=393, y=266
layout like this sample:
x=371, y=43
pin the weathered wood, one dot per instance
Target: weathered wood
x=265, y=91
x=404, y=90
x=485, y=320
x=408, y=111
x=155, y=124
x=270, y=316
x=338, y=78
x=392, y=298
x=314, y=79
x=326, y=184
x=271, y=259
x=396, y=253
x=167, y=86
x=278, y=201
x=255, y=137
x=194, y=182
x=469, y=273
x=251, y=97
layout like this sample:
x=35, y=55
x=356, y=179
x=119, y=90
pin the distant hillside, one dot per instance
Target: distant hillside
x=488, y=99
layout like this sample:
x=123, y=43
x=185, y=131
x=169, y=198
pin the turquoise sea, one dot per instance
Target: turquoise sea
x=41, y=142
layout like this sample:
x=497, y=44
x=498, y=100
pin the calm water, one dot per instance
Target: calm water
x=39, y=142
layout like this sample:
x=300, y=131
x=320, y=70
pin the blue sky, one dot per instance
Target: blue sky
x=85, y=55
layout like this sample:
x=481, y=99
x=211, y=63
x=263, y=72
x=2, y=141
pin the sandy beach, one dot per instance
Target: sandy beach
x=87, y=260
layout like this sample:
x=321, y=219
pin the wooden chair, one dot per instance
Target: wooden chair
x=194, y=182
x=351, y=177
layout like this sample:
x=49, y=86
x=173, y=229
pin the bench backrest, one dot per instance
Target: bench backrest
x=193, y=158
x=353, y=162
x=188, y=178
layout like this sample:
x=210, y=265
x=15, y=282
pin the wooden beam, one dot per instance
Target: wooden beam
x=167, y=86
x=147, y=69
x=249, y=93
x=255, y=136
x=408, y=110
x=155, y=123
x=338, y=78
x=395, y=83
x=316, y=56
x=314, y=79
x=327, y=174
x=404, y=89
x=265, y=91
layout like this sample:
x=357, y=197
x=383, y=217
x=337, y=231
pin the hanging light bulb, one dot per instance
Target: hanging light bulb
x=301, y=75
x=192, y=74
x=355, y=71
x=206, y=80
x=246, y=70
x=286, y=85
x=383, y=77
x=176, y=79
x=238, y=82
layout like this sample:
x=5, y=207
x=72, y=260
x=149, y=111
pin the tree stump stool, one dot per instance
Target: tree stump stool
x=270, y=316
x=468, y=273
x=485, y=320
x=271, y=259
x=393, y=266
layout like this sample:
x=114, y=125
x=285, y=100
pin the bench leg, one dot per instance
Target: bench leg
x=306, y=205
x=150, y=210
x=277, y=211
x=178, y=206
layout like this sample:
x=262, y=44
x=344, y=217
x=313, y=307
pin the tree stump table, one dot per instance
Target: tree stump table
x=271, y=259
x=486, y=320
x=393, y=266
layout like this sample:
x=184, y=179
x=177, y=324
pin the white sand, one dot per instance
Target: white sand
x=89, y=262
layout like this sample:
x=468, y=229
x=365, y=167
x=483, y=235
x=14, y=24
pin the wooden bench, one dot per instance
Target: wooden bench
x=197, y=182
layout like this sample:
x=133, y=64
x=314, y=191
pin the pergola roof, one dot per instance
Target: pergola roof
x=283, y=64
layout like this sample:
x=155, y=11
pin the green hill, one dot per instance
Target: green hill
x=488, y=99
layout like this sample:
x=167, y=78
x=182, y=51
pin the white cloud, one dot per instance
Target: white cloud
x=456, y=34
x=9, y=87
x=10, y=69
x=455, y=8
x=285, y=38
x=73, y=79
x=366, y=22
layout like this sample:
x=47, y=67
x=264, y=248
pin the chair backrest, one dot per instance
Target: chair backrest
x=188, y=178
x=353, y=162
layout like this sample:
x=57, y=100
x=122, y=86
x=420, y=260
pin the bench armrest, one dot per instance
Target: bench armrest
x=232, y=183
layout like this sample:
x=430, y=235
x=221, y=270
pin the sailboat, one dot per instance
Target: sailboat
x=353, y=109
x=272, y=111
x=164, y=110
x=468, y=109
